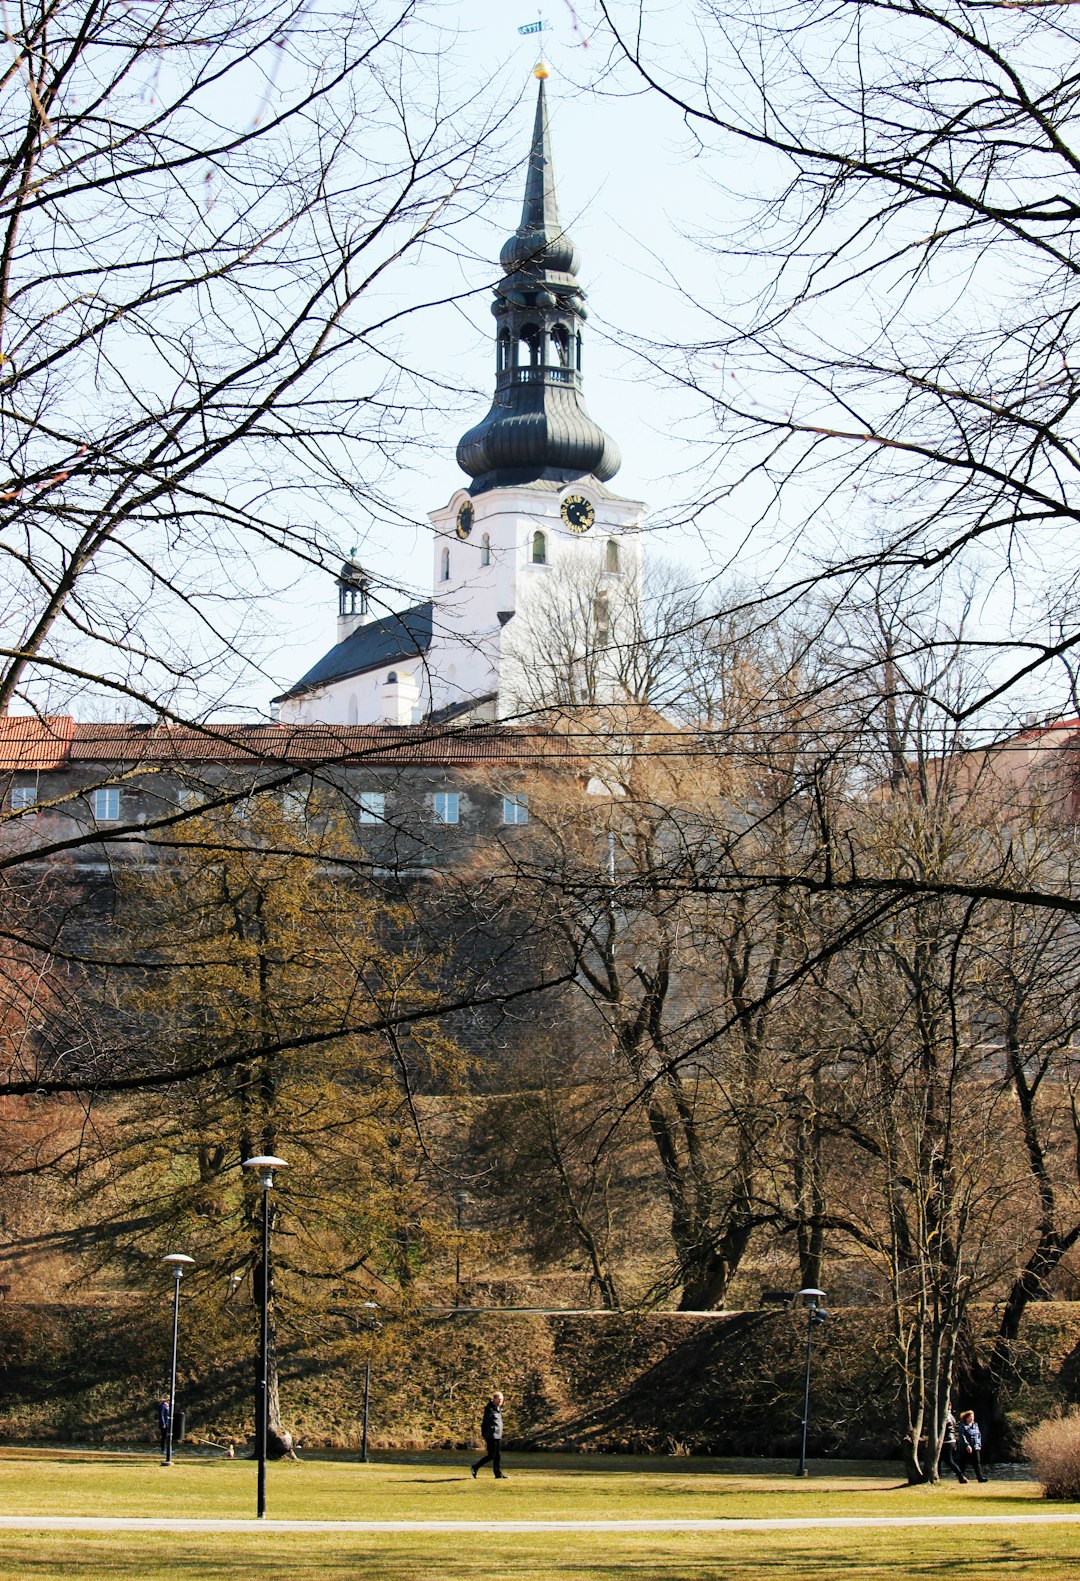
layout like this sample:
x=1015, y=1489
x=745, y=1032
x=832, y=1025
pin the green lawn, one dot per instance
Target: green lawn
x=557, y=1487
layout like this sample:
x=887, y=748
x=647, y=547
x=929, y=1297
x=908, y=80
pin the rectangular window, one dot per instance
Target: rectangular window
x=372, y=807
x=294, y=803
x=515, y=809
x=446, y=806
x=107, y=804
x=23, y=796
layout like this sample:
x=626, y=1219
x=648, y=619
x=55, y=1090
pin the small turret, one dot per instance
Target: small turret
x=353, y=589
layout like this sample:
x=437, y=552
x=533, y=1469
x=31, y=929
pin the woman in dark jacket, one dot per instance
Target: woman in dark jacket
x=970, y=1445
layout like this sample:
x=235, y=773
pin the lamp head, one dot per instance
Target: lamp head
x=265, y=1163
x=811, y=1297
x=177, y=1262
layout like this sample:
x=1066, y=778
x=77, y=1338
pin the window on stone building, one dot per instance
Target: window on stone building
x=515, y=809
x=447, y=806
x=485, y=549
x=444, y=566
x=295, y=801
x=539, y=549
x=372, y=806
x=107, y=804
x=611, y=556
x=602, y=617
x=23, y=796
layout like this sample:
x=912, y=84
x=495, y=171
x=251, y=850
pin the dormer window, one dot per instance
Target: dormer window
x=539, y=548
x=611, y=556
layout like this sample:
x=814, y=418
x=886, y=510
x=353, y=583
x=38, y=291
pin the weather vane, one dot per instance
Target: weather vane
x=539, y=26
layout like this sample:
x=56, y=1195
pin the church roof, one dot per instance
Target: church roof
x=389, y=640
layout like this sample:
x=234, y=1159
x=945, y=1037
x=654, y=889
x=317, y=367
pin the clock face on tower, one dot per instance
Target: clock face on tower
x=465, y=518
x=577, y=513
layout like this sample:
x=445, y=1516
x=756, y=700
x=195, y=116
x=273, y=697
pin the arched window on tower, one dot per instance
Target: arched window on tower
x=579, y=354
x=503, y=355
x=602, y=618
x=611, y=556
x=444, y=567
x=531, y=346
x=560, y=340
x=485, y=549
x=539, y=549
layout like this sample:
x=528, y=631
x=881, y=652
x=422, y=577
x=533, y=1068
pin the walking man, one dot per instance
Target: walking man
x=163, y=1423
x=491, y=1431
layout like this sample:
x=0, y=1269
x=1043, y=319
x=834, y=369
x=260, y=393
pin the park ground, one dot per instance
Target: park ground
x=100, y=1484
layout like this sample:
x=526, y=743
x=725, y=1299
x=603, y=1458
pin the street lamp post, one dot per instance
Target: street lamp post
x=815, y=1314
x=460, y=1199
x=265, y=1163
x=176, y=1262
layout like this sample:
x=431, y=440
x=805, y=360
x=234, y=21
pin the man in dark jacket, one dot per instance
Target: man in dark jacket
x=491, y=1431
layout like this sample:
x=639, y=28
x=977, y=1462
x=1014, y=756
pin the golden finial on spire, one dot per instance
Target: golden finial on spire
x=542, y=70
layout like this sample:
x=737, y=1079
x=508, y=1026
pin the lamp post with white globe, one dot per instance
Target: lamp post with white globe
x=177, y=1263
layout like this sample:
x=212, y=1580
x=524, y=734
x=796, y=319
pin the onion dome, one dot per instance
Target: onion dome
x=538, y=429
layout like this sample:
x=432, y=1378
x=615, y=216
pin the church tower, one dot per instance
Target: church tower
x=536, y=541
x=534, y=547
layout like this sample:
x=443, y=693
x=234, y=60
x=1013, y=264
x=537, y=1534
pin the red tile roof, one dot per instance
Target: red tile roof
x=33, y=741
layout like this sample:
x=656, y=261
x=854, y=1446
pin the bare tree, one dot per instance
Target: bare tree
x=902, y=353
x=203, y=207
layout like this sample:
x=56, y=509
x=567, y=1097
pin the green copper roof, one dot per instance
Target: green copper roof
x=538, y=428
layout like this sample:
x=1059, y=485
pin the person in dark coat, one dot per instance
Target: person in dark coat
x=971, y=1445
x=163, y=1424
x=948, y=1447
x=491, y=1431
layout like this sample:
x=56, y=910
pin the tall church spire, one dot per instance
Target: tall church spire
x=538, y=430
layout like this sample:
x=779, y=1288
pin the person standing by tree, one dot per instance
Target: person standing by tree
x=491, y=1431
x=948, y=1447
x=163, y=1423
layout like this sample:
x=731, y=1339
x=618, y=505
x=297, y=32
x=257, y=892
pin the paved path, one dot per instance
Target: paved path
x=94, y=1523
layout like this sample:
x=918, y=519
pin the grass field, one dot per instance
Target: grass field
x=539, y=1487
